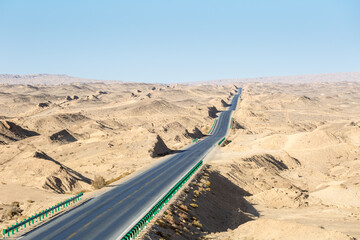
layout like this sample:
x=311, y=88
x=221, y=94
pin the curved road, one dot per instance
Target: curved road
x=112, y=214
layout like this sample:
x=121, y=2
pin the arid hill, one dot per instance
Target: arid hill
x=54, y=139
x=288, y=170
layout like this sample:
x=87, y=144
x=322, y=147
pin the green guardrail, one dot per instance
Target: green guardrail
x=134, y=232
x=212, y=126
x=41, y=215
x=231, y=123
x=221, y=141
x=195, y=140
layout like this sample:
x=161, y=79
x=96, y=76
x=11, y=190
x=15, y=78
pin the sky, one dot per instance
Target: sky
x=179, y=41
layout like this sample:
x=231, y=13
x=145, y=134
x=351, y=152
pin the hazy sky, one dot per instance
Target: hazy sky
x=177, y=41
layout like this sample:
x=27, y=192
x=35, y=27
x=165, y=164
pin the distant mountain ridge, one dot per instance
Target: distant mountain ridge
x=44, y=79
x=326, y=77
x=57, y=79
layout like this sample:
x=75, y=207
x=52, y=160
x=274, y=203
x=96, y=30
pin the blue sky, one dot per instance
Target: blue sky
x=179, y=41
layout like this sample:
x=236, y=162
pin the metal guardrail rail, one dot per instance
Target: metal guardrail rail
x=134, y=232
x=41, y=215
x=221, y=141
x=212, y=127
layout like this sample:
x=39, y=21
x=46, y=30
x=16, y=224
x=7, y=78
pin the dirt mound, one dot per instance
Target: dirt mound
x=41, y=155
x=174, y=126
x=187, y=102
x=56, y=122
x=10, y=132
x=64, y=136
x=154, y=107
x=62, y=181
x=315, y=139
x=304, y=99
x=260, y=172
x=159, y=148
x=237, y=125
x=195, y=134
x=48, y=173
x=10, y=211
x=43, y=104
x=174, y=129
x=267, y=160
x=281, y=198
x=355, y=124
x=32, y=87
x=92, y=98
x=337, y=193
x=224, y=104
x=71, y=117
x=212, y=112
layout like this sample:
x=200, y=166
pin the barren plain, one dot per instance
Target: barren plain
x=289, y=169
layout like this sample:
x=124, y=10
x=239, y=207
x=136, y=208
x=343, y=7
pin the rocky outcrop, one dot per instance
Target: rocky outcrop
x=11, y=132
x=212, y=112
x=63, y=137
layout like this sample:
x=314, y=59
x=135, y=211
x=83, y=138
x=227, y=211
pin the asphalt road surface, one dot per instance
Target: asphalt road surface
x=112, y=214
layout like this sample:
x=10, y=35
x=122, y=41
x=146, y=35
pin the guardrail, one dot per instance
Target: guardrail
x=41, y=215
x=195, y=140
x=231, y=123
x=221, y=141
x=212, y=127
x=134, y=232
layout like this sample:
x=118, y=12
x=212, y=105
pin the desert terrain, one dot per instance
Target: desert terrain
x=290, y=169
x=55, y=139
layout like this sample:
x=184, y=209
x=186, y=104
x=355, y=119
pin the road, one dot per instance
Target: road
x=112, y=214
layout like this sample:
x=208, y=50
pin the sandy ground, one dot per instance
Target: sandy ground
x=290, y=169
x=54, y=140
x=296, y=153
